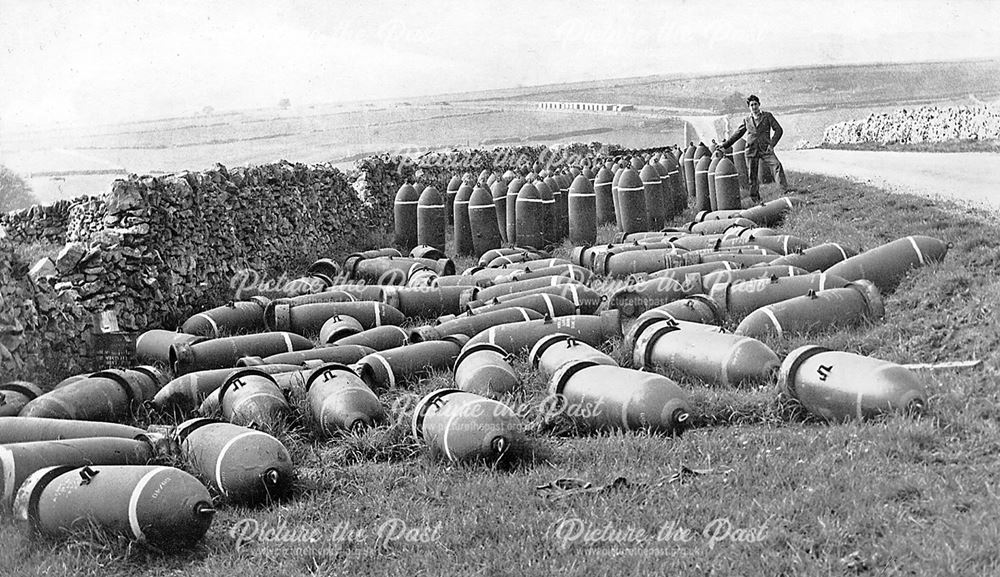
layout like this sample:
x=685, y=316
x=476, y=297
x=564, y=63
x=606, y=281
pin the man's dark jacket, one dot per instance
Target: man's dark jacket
x=758, y=133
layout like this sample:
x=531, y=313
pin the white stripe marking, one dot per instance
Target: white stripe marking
x=843, y=253
x=222, y=456
x=288, y=342
x=774, y=319
x=133, y=502
x=211, y=321
x=388, y=369
x=407, y=201
x=378, y=314
x=920, y=255
x=7, y=464
x=431, y=206
x=548, y=305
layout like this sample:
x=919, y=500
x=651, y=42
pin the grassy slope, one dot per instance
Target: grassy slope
x=897, y=496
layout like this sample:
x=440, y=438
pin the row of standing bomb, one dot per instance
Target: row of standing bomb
x=541, y=209
x=522, y=300
x=337, y=383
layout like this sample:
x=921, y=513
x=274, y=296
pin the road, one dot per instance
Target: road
x=972, y=177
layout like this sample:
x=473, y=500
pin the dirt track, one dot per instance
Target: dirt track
x=973, y=177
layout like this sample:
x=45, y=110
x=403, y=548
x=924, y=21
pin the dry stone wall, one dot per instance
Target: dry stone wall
x=924, y=124
x=39, y=223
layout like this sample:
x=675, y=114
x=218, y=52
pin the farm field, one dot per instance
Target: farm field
x=67, y=162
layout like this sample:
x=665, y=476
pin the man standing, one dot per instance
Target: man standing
x=757, y=127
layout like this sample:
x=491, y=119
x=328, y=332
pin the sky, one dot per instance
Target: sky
x=99, y=61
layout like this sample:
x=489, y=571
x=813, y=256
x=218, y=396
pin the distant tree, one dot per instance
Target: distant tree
x=208, y=110
x=15, y=193
x=284, y=104
x=735, y=102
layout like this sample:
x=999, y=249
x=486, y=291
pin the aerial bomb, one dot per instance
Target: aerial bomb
x=483, y=222
x=464, y=426
x=712, y=200
x=553, y=351
x=517, y=336
x=338, y=327
x=462, y=236
x=530, y=217
x=404, y=211
x=736, y=300
x=483, y=295
x=14, y=395
x=154, y=346
x=694, y=308
x=718, y=358
x=224, y=352
x=817, y=310
x=109, y=395
x=485, y=369
x=688, y=165
x=391, y=368
x=817, y=258
x=702, y=200
x=746, y=274
x=634, y=212
x=470, y=325
x=637, y=261
x=375, y=338
x=675, y=189
x=601, y=397
x=252, y=396
x=244, y=465
x=740, y=160
x=451, y=191
x=498, y=191
x=727, y=186
x=341, y=401
x=840, y=386
x=187, y=391
x=513, y=188
x=604, y=202
x=886, y=265
x=582, y=212
x=162, y=506
x=308, y=319
x=232, y=318
x=432, y=218
x=633, y=299
x=427, y=302
x=770, y=213
x=28, y=429
x=545, y=304
x=19, y=460
x=652, y=190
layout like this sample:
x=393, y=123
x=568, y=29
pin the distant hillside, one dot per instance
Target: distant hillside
x=784, y=90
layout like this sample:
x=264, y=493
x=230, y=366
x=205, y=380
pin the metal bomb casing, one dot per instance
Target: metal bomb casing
x=631, y=196
x=545, y=304
x=499, y=193
x=29, y=429
x=487, y=257
x=607, y=398
x=252, y=396
x=770, y=213
x=529, y=215
x=162, y=506
x=582, y=212
x=712, y=200
x=374, y=339
x=464, y=426
x=483, y=221
x=548, y=190
x=404, y=212
x=308, y=319
x=736, y=300
x=432, y=219
x=463, y=229
x=391, y=368
x=604, y=202
x=886, y=265
x=470, y=324
x=734, y=276
x=244, y=465
x=109, y=395
x=652, y=190
x=187, y=391
x=233, y=317
x=485, y=369
x=740, y=161
x=451, y=191
x=816, y=310
x=19, y=460
x=687, y=165
x=15, y=395
x=655, y=315
x=719, y=358
x=674, y=183
x=565, y=181
x=701, y=195
x=840, y=386
x=553, y=351
x=513, y=189
x=154, y=346
x=727, y=186
x=693, y=308
x=338, y=327
x=635, y=298
x=518, y=336
x=341, y=401
x=224, y=352
x=427, y=302
x=819, y=257
x=484, y=295
x=623, y=264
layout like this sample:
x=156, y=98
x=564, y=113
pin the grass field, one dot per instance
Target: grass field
x=897, y=496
